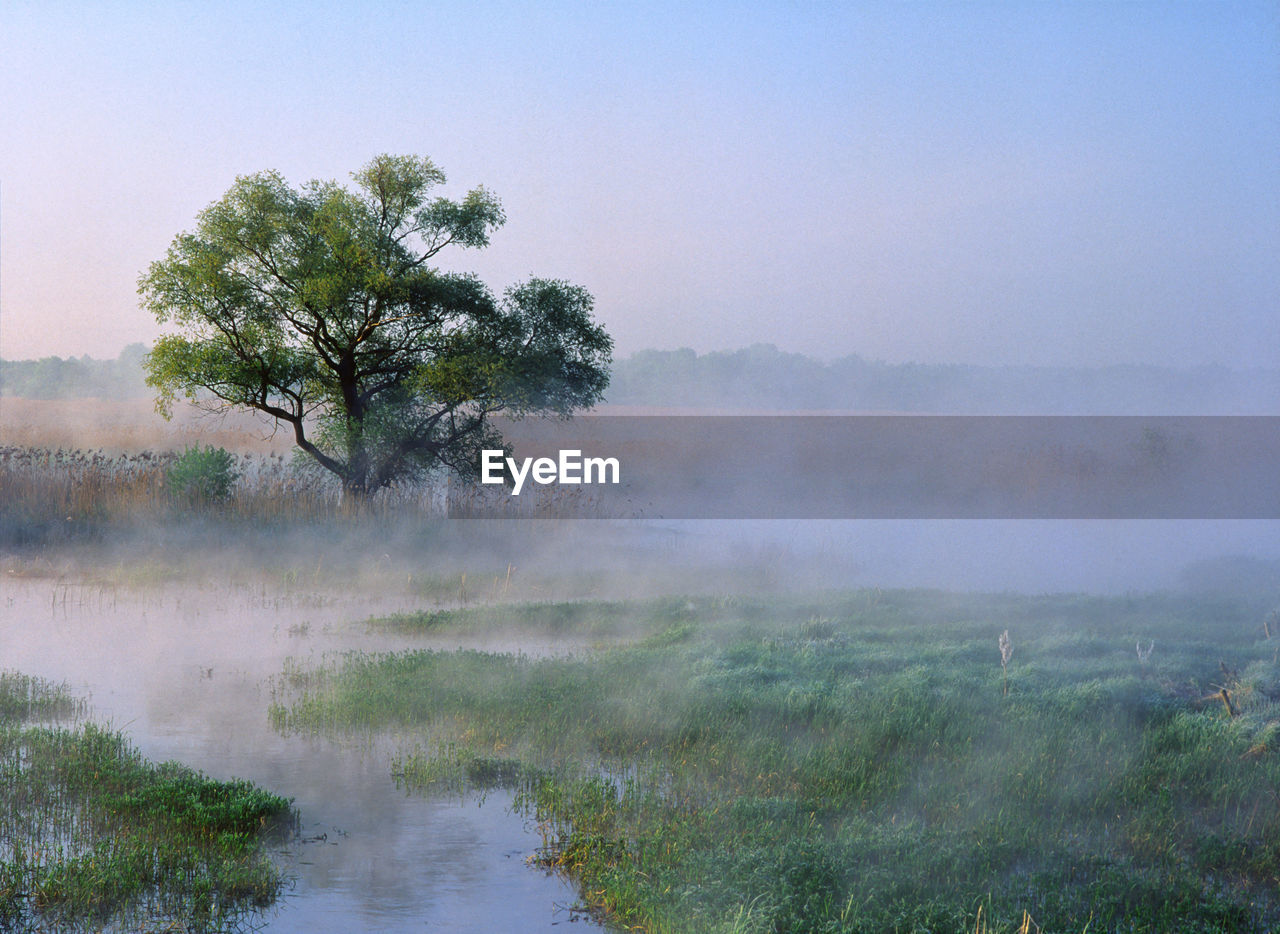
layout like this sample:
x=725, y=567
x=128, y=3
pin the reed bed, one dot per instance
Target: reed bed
x=853, y=763
x=57, y=494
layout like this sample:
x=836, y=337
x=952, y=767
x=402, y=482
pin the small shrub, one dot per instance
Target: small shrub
x=203, y=474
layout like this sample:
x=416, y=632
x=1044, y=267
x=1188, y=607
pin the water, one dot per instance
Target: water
x=187, y=674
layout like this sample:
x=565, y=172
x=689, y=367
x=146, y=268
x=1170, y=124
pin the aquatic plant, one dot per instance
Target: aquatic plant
x=92, y=836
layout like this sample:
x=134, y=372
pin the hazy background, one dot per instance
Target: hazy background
x=943, y=207
x=1057, y=184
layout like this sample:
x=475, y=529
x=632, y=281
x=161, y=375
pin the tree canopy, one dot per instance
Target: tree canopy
x=320, y=307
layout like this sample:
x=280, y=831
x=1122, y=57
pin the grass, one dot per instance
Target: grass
x=93, y=836
x=57, y=495
x=589, y=618
x=852, y=763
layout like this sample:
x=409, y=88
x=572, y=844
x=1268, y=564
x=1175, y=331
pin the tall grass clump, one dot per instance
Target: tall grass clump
x=840, y=764
x=94, y=837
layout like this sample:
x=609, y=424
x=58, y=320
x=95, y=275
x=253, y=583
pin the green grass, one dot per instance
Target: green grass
x=851, y=763
x=93, y=836
x=589, y=618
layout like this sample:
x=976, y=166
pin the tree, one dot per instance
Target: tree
x=319, y=307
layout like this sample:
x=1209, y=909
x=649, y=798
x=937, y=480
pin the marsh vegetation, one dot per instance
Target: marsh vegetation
x=95, y=837
x=853, y=763
x=754, y=751
x=182, y=661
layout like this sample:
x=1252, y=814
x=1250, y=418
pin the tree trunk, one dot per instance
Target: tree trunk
x=355, y=494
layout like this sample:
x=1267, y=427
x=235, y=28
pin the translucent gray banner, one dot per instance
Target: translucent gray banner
x=884, y=467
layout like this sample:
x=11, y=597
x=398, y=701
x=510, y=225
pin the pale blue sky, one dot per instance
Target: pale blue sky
x=1043, y=183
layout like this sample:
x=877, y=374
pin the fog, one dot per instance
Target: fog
x=930, y=211
x=178, y=632
x=187, y=672
x=1027, y=556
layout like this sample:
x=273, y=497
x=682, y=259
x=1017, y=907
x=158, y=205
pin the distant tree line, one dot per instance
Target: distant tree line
x=76, y=377
x=764, y=378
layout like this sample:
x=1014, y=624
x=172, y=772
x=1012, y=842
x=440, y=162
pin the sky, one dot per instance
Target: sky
x=1042, y=183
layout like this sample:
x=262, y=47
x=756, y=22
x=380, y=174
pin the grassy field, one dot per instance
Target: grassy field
x=860, y=762
x=93, y=837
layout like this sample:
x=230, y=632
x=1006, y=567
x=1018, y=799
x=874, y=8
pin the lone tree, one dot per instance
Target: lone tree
x=318, y=307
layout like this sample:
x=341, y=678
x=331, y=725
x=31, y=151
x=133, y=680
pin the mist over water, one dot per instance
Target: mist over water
x=970, y=555
x=187, y=673
x=1044, y=210
x=178, y=631
x=187, y=659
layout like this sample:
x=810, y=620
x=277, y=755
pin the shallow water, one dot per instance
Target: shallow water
x=187, y=674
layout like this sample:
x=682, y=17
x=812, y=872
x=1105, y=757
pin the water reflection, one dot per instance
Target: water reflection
x=187, y=673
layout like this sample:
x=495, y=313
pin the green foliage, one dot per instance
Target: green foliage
x=23, y=697
x=851, y=763
x=320, y=305
x=202, y=474
x=95, y=837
